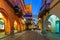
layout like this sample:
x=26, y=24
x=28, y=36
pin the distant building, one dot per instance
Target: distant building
x=28, y=9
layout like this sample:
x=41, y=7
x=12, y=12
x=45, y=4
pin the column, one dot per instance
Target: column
x=11, y=26
x=7, y=26
x=18, y=28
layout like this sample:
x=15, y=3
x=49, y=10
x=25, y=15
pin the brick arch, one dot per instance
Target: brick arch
x=4, y=13
x=6, y=19
x=18, y=24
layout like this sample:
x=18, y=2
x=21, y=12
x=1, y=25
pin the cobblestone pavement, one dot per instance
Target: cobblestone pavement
x=13, y=37
x=29, y=35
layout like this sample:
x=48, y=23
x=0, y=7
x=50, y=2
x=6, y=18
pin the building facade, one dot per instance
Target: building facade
x=11, y=21
x=46, y=14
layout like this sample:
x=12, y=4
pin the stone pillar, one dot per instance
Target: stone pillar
x=43, y=21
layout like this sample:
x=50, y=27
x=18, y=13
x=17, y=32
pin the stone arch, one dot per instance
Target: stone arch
x=44, y=25
x=49, y=16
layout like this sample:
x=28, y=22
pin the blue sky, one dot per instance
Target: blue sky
x=36, y=5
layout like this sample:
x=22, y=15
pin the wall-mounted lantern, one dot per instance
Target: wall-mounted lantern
x=18, y=11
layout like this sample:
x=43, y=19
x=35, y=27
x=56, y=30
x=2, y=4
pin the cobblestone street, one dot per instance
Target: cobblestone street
x=29, y=35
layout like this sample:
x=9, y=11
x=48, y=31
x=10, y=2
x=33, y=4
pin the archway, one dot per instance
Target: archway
x=15, y=26
x=52, y=23
x=4, y=23
x=2, y=27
